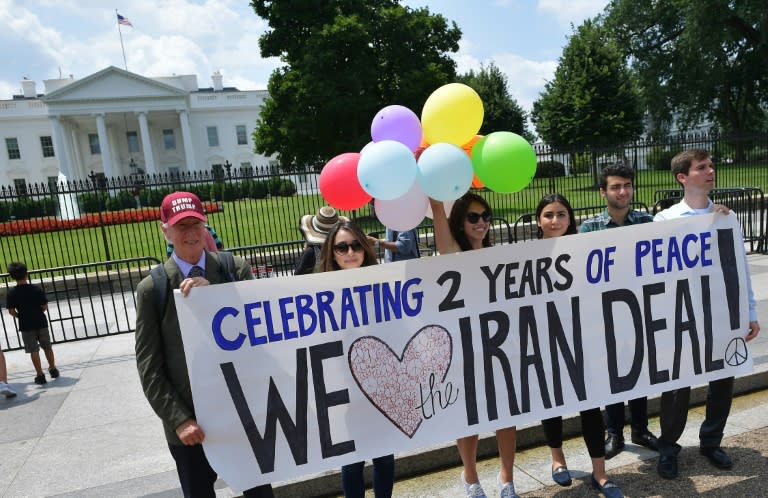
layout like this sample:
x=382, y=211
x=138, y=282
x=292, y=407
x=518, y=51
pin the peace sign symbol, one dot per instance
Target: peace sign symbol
x=736, y=352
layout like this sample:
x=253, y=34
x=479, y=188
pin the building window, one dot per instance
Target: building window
x=47, y=144
x=246, y=169
x=173, y=171
x=169, y=140
x=101, y=180
x=12, y=144
x=93, y=141
x=133, y=142
x=213, y=136
x=242, y=138
x=20, y=184
x=218, y=171
x=53, y=184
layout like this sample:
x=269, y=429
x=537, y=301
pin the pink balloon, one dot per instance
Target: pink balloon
x=339, y=185
x=398, y=123
x=405, y=212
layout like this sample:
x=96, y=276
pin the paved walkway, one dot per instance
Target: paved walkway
x=91, y=433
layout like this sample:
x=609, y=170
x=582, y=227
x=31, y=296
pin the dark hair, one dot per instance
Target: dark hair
x=17, y=270
x=617, y=169
x=549, y=199
x=328, y=262
x=681, y=163
x=459, y=214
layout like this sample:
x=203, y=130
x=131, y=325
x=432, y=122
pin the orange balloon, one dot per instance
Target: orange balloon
x=421, y=148
x=476, y=183
x=468, y=146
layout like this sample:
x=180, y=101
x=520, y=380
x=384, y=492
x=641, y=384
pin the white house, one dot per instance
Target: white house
x=116, y=123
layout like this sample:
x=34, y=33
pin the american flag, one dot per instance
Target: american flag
x=123, y=20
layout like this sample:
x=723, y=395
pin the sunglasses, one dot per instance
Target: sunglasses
x=473, y=217
x=343, y=248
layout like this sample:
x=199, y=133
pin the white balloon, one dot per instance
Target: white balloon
x=405, y=212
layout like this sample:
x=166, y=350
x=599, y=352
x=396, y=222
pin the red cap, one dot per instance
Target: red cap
x=180, y=205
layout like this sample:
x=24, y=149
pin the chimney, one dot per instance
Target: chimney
x=217, y=85
x=28, y=87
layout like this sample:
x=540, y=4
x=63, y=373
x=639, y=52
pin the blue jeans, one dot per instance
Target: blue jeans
x=353, y=484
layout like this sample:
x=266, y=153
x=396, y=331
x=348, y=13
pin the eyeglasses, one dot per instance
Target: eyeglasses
x=343, y=248
x=473, y=217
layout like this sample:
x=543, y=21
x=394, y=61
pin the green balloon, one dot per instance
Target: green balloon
x=504, y=161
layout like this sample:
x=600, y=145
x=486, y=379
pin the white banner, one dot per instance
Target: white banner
x=298, y=375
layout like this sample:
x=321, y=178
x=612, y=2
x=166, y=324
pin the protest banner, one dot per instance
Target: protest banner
x=298, y=375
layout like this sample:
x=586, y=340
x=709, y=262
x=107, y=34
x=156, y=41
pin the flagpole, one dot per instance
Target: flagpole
x=125, y=62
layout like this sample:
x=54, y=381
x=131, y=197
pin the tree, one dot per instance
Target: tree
x=343, y=62
x=592, y=100
x=699, y=59
x=502, y=112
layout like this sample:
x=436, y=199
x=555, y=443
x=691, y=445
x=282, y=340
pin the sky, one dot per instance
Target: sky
x=46, y=39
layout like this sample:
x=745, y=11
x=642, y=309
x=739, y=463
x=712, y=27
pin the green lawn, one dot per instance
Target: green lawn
x=260, y=221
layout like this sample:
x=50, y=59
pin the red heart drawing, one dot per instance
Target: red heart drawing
x=393, y=383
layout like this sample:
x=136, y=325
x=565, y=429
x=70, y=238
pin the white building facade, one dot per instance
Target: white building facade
x=117, y=123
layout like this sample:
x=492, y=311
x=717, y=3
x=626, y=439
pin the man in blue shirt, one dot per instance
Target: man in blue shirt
x=398, y=246
x=617, y=188
x=693, y=169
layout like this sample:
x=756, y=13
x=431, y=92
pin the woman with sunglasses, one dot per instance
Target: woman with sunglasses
x=554, y=218
x=468, y=228
x=346, y=247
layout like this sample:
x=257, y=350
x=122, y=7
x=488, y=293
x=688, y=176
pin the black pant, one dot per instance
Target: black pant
x=353, y=484
x=592, y=428
x=614, y=414
x=197, y=477
x=674, y=414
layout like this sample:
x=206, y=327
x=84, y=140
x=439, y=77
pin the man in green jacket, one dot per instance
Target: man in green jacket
x=159, y=349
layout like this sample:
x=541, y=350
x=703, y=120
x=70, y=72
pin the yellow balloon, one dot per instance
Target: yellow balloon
x=453, y=114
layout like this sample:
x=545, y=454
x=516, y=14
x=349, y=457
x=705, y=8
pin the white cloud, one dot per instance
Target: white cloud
x=526, y=78
x=571, y=11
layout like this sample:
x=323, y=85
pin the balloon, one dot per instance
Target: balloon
x=365, y=147
x=452, y=114
x=468, y=146
x=397, y=123
x=504, y=161
x=445, y=172
x=447, y=206
x=421, y=148
x=405, y=212
x=476, y=183
x=387, y=169
x=339, y=185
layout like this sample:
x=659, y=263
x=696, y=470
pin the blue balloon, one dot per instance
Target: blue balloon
x=445, y=171
x=386, y=170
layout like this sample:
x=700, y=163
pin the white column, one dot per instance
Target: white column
x=77, y=157
x=149, y=161
x=60, y=148
x=106, y=154
x=186, y=135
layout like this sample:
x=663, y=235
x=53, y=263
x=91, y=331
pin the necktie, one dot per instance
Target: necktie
x=196, y=271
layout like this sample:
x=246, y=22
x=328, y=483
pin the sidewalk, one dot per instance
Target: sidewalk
x=91, y=433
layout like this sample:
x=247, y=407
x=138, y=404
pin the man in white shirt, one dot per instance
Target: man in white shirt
x=693, y=169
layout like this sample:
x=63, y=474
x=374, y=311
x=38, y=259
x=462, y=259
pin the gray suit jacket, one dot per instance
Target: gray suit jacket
x=159, y=348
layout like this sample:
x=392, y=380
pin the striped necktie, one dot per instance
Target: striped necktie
x=196, y=271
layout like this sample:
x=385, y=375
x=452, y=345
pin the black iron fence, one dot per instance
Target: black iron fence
x=73, y=228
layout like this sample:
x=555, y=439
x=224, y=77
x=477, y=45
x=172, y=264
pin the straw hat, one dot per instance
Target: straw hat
x=315, y=227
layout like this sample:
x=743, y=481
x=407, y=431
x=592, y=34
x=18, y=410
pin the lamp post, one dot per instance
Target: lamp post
x=228, y=167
